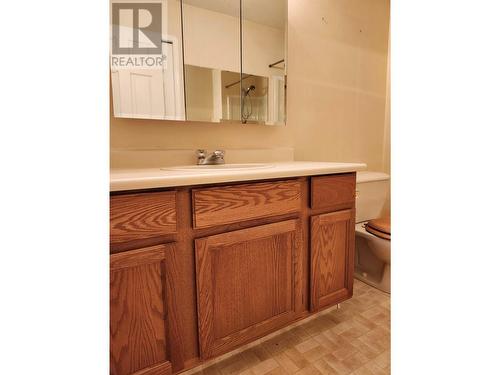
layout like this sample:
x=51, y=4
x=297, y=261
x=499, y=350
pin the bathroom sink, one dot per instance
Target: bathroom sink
x=220, y=167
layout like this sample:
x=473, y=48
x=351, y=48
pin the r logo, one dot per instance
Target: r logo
x=136, y=28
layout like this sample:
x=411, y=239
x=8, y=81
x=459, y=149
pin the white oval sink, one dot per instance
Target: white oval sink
x=220, y=167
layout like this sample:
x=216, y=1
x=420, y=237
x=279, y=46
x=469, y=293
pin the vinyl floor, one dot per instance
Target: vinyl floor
x=354, y=339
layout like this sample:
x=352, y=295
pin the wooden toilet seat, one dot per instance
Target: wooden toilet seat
x=380, y=227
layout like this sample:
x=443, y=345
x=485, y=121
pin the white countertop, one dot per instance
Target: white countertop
x=135, y=179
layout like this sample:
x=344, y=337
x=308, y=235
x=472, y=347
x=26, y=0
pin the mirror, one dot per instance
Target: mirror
x=211, y=52
x=197, y=60
x=263, y=55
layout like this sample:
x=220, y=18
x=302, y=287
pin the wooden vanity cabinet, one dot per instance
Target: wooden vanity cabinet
x=199, y=271
x=139, y=341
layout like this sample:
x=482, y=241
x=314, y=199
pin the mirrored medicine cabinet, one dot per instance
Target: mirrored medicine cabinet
x=214, y=61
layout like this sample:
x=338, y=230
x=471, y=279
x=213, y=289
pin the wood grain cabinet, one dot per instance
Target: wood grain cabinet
x=332, y=258
x=236, y=203
x=333, y=192
x=138, y=339
x=141, y=216
x=199, y=271
x=249, y=283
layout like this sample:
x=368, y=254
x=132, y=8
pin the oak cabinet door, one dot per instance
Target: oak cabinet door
x=332, y=258
x=138, y=339
x=249, y=284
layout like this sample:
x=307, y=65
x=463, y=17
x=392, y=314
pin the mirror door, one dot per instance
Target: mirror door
x=263, y=57
x=212, y=60
x=198, y=60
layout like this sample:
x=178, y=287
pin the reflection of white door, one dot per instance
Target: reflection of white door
x=150, y=93
x=233, y=105
x=276, y=100
x=138, y=93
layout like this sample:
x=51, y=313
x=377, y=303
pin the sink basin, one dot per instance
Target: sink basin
x=220, y=167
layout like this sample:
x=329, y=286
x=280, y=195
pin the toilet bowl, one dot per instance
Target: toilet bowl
x=372, y=243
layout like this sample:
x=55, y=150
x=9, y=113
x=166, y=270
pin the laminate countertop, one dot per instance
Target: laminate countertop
x=150, y=178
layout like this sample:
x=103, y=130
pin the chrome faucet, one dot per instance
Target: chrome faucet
x=215, y=158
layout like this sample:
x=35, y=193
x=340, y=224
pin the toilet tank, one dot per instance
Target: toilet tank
x=372, y=193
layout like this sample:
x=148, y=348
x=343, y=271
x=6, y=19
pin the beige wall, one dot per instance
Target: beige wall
x=337, y=79
x=337, y=76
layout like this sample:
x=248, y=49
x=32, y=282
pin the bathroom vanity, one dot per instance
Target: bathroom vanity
x=199, y=269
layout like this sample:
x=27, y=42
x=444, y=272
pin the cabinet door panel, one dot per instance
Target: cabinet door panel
x=139, y=343
x=249, y=283
x=332, y=258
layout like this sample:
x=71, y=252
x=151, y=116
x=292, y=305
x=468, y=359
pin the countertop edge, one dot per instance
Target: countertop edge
x=158, y=182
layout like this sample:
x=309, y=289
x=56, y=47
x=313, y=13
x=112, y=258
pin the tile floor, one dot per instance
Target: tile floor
x=354, y=339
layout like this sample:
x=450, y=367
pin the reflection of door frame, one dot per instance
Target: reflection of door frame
x=217, y=95
x=115, y=92
x=178, y=87
x=274, y=99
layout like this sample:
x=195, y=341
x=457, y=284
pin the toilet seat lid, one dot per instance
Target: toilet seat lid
x=380, y=227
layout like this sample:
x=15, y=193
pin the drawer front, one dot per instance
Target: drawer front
x=141, y=216
x=232, y=204
x=335, y=191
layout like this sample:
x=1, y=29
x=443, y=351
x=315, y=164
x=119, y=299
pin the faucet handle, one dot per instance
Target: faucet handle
x=220, y=153
x=201, y=155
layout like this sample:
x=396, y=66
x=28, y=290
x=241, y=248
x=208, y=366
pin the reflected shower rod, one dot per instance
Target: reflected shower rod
x=235, y=83
x=250, y=75
x=276, y=63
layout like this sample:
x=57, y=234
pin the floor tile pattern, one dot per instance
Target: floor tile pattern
x=354, y=339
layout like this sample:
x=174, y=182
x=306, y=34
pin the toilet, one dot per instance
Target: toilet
x=373, y=230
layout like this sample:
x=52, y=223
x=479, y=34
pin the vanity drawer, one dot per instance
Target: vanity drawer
x=141, y=216
x=334, y=191
x=232, y=204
